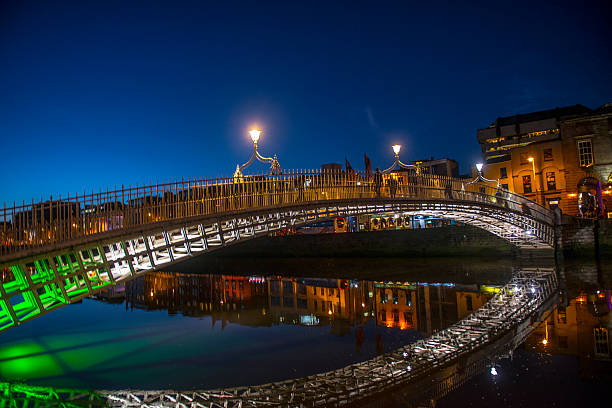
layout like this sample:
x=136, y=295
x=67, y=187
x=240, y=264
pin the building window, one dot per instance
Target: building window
x=505, y=187
x=302, y=303
x=600, y=335
x=527, y=184
x=468, y=303
x=551, y=182
x=503, y=173
x=548, y=156
x=585, y=153
x=524, y=158
x=561, y=315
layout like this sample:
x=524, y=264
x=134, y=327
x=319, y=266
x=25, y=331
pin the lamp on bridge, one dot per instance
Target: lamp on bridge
x=480, y=177
x=273, y=161
x=255, y=135
x=396, y=149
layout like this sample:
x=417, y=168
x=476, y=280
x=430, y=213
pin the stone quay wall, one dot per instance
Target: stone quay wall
x=449, y=241
x=578, y=237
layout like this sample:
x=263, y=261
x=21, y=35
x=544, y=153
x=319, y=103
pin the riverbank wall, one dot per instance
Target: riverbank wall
x=449, y=241
x=584, y=238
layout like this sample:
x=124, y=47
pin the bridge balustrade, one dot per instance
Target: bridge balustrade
x=32, y=225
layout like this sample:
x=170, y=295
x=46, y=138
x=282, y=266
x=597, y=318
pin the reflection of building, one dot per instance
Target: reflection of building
x=318, y=301
x=396, y=305
x=559, y=157
x=425, y=307
x=580, y=329
x=227, y=298
x=257, y=301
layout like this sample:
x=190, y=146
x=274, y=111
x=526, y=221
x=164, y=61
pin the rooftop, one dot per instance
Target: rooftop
x=560, y=113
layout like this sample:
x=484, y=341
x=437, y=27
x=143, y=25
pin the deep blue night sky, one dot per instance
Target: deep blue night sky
x=96, y=94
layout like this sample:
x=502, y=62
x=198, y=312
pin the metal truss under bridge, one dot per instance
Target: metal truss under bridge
x=425, y=370
x=57, y=252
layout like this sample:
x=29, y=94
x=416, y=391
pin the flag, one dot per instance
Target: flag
x=349, y=169
x=368, y=165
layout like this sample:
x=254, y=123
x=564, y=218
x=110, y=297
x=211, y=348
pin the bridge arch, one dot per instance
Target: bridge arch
x=41, y=278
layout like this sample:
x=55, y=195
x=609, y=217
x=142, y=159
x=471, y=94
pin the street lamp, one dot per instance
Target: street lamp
x=532, y=161
x=255, y=135
x=480, y=177
x=396, y=149
x=273, y=161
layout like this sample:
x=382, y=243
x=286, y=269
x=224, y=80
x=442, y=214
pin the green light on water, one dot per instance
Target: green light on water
x=27, y=360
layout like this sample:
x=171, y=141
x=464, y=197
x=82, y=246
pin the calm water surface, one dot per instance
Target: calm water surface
x=214, y=327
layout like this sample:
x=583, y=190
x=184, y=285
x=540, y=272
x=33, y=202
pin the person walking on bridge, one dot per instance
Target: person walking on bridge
x=378, y=180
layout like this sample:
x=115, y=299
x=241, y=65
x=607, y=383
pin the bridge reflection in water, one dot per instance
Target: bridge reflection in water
x=493, y=330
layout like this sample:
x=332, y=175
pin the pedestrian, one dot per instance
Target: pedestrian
x=392, y=187
x=377, y=182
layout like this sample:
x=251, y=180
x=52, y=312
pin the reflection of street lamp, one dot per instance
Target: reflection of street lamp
x=396, y=149
x=545, y=341
x=274, y=165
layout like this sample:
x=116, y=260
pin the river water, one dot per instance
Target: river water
x=228, y=322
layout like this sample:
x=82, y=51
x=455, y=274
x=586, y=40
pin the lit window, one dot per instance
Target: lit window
x=561, y=315
x=503, y=173
x=551, y=182
x=548, y=155
x=585, y=153
x=527, y=184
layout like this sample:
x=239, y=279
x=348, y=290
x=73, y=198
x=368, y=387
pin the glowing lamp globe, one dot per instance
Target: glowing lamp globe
x=396, y=148
x=479, y=167
x=255, y=135
x=530, y=159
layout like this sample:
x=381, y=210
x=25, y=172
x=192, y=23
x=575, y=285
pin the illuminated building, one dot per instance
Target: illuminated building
x=582, y=329
x=555, y=157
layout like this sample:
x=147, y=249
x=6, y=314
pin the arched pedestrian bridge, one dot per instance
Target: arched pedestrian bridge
x=59, y=251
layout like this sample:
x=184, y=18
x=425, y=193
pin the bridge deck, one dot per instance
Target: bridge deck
x=115, y=241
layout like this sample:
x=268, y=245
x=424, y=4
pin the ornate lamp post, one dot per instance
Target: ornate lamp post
x=396, y=149
x=274, y=165
x=482, y=178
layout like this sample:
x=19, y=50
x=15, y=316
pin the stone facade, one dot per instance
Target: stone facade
x=554, y=157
